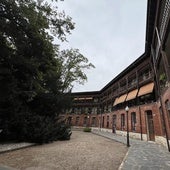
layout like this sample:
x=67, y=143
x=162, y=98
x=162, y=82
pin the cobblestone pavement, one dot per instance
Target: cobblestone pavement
x=84, y=151
x=141, y=155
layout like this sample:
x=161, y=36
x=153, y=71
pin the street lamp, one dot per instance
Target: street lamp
x=127, y=110
x=88, y=121
x=100, y=119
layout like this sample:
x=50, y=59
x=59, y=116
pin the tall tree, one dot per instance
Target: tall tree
x=73, y=66
x=34, y=73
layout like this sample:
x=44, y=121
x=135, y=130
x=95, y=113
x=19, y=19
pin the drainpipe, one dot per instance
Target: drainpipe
x=100, y=119
x=140, y=114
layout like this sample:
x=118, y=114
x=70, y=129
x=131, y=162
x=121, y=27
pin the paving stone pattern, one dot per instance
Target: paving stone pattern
x=142, y=155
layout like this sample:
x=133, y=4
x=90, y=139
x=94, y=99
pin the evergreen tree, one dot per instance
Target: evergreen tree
x=34, y=73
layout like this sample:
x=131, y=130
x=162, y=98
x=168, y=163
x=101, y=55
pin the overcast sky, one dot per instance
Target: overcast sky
x=110, y=33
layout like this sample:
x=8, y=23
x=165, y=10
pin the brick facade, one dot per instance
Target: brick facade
x=147, y=80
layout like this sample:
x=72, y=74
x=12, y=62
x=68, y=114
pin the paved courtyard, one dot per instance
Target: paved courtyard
x=85, y=151
x=142, y=155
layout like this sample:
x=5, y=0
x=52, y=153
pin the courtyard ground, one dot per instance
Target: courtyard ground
x=84, y=151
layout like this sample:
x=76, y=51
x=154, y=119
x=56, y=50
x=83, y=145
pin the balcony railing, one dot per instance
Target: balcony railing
x=123, y=89
x=145, y=77
x=132, y=83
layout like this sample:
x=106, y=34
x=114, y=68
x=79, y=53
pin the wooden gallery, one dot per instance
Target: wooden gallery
x=139, y=97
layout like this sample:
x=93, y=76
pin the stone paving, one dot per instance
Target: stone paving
x=84, y=151
x=142, y=155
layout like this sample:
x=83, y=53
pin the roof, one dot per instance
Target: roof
x=86, y=93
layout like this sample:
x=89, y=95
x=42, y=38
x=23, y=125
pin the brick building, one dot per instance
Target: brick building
x=144, y=86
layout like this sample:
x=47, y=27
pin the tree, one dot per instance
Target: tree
x=73, y=65
x=34, y=73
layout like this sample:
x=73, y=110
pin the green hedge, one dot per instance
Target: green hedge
x=87, y=129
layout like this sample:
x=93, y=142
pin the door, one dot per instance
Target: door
x=150, y=125
x=103, y=122
x=114, y=124
x=69, y=120
x=133, y=121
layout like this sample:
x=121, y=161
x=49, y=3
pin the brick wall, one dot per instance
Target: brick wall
x=107, y=119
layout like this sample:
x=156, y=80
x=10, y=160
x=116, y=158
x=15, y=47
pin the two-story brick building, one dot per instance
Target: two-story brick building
x=144, y=86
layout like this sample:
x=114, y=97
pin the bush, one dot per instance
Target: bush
x=36, y=128
x=65, y=132
x=87, y=129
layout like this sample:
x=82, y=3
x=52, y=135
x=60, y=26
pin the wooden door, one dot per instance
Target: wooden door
x=114, y=124
x=150, y=126
x=103, y=123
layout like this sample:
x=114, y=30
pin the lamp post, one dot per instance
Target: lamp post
x=127, y=110
x=88, y=121
x=100, y=119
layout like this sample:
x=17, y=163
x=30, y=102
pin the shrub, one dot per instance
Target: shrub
x=65, y=132
x=87, y=129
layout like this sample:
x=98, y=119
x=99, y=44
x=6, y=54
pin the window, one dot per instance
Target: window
x=78, y=110
x=105, y=108
x=69, y=120
x=114, y=124
x=115, y=89
x=122, y=121
x=94, y=110
x=122, y=86
x=96, y=100
x=167, y=49
x=156, y=44
x=132, y=81
x=133, y=121
x=86, y=110
x=89, y=110
x=73, y=110
x=148, y=98
x=114, y=120
x=77, y=121
x=103, y=122
x=93, y=121
x=161, y=74
x=107, y=121
x=82, y=110
x=85, y=121
x=167, y=104
x=98, y=110
x=110, y=108
x=162, y=122
x=144, y=74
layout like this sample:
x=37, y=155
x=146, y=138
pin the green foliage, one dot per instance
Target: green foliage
x=65, y=132
x=87, y=129
x=73, y=65
x=34, y=73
